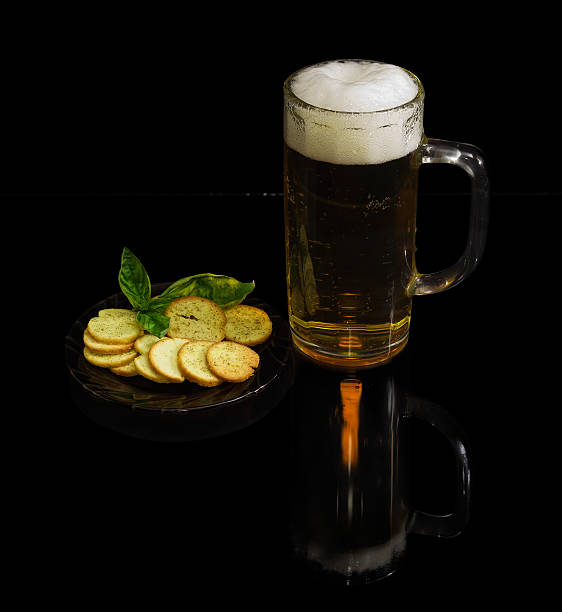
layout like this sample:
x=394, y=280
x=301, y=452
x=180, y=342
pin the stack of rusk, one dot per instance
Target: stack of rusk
x=205, y=344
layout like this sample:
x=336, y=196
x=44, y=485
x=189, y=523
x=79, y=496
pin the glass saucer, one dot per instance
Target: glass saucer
x=141, y=408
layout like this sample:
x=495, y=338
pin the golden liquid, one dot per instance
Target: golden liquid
x=350, y=242
x=350, y=394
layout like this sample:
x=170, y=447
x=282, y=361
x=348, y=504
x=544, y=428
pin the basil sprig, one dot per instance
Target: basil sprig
x=134, y=281
x=135, y=284
x=223, y=290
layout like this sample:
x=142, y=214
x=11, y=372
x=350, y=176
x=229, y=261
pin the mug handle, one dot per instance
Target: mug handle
x=444, y=525
x=470, y=159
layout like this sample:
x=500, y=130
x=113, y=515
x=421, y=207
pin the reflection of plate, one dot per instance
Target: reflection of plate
x=178, y=411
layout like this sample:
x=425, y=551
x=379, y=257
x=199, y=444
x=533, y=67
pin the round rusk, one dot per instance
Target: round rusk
x=129, y=369
x=247, y=325
x=232, y=361
x=163, y=356
x=192, y=362
x=114, y=330
x=105, y=360
x=104, y=347
x=196, y=318
x=145, y=369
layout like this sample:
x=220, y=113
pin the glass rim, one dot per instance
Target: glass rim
x=418, y=98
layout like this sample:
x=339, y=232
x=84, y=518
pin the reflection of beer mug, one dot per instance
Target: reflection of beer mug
x=351, y=501
x=354, y=143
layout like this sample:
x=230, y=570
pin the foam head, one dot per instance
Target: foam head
x=353, y=112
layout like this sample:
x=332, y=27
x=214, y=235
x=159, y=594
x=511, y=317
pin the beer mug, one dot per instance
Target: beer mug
x=353, y=146
x=351, y=486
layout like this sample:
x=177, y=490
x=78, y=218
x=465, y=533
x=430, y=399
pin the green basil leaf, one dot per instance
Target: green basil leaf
x=161, y=302
x=223, y=290
x=154, y=322
x=134, y=281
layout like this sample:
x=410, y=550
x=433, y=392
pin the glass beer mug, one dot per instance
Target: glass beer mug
x=353, y=146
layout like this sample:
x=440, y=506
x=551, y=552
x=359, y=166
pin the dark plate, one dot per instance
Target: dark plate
x=178, y=411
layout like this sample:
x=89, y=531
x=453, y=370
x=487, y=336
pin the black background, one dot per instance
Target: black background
x=113, y=118
x=139, y=104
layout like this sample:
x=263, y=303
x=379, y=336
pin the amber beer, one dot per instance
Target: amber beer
x=350, y=219
x=350, y=235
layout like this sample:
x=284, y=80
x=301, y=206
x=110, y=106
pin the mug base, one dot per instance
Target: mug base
x=347, y=362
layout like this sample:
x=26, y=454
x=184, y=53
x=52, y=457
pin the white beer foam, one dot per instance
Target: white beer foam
x=356, y=112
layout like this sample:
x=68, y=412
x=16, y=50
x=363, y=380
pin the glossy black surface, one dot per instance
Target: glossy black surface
x=141, y=515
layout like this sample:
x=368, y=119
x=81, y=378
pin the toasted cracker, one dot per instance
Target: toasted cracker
x=103, y=347
x=247, y=325
x=129, y=369
x=118, y=313
x=232, y=361
x=163, y=356
x=143, y=343
x=104, y=360
x=192, y=362
x=145, y=369
x=114, y=330
x=196, y=318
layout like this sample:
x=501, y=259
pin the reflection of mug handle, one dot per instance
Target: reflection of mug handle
x=446, y=525
x=471, y=161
